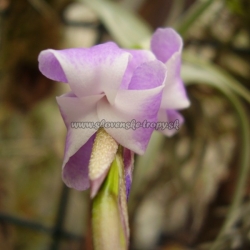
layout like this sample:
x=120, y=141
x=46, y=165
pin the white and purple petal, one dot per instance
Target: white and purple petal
x=166, y=44
x=76, y=112
x=174, y=94
x=91, y=71
x=172, y=119
x=75, y=173
x=137, y=58
x=139, y=103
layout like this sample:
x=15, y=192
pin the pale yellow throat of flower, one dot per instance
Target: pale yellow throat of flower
x=103, y=154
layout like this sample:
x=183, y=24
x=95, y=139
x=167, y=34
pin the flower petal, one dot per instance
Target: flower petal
x=167, y=46
x=50, y=66
x=165, y=43
x=133, y=107
x=174, y=94
x=128, y=159
x=172, y=119
x=138, y=57
x=148, y=75
x=75, y=171
x=88, y=71
x=75, y=111
x=136, y=104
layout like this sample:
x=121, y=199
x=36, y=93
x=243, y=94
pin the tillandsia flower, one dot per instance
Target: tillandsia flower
x=109, y=84
x=167, y=45
x=113, y=84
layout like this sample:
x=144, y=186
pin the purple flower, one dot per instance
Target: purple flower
x=166, y=45
x=115, y=85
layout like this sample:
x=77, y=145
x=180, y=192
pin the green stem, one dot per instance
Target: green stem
x=109, y=229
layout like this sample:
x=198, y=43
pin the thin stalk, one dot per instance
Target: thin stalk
x=108, y=220
x=61, y=215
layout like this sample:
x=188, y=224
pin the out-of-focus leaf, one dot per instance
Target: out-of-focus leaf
x=132, y=4
x=145, y=163
x=193, y=73
x=127, y=28
x=192, y=15
x=236, y=6
x=203, y=71
x=176, y=11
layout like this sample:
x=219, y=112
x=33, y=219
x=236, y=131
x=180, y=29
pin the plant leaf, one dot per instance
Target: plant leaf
x=203, y=71
x=126, y=27
x=203, y=74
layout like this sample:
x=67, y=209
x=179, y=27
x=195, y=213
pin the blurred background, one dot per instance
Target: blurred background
x=190, y=191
